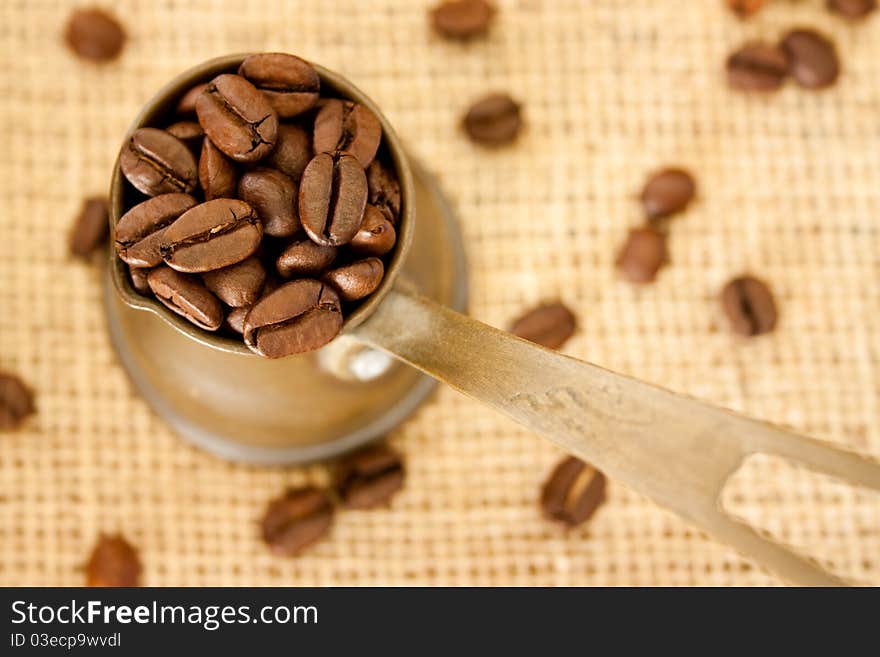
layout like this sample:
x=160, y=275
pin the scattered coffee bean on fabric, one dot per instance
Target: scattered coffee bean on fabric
x=573, y=492
x=549, y=325
x=643, y=254
x=16, y=401
x=749, y=305
x=462, y=19
x=296, y=520
x=369, y=478
x=812, y=58
x=90, y=228
x=94, y=34
x=744, y=8
x=494, y=120
x=757, y=66
x=668, y=192
x=114, y=562
x=852, y=8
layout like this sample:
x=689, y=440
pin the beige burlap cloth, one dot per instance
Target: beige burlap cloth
x=789, y=190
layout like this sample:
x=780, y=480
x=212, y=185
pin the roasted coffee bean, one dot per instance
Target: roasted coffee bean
x=217, y=174
x=369, y=478
x=212, y=235
x=573, y=492
x=462, y=19
x=94, y=34
x=235, y=319
x=643, y=255
x=493, y=120
x=342, y=125
x=384, y=190
x=139, y=231
x=187, y=296
x=138, y=277
x=376, y=236
x=749, y=305
x=237, y=117
x=186, y=106
x=290, y=83
x=667, y=192
x=292, y=151
x=549, y=325
x=852, y=8
x=332, y=198
x=757, y=67
x=189, y=132
x=299, y=316
x=239, y=284
x=90, y=228
x=297, y=519
x=357, y=280
x=812, y=58
x=303, y=258
x=274, y=197
x=114, y=562
x=16, y=401
x=156, y=162
x=745, y=8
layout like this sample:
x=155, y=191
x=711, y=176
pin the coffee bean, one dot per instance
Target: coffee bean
x=462, y=19
x=643, y=255
x=369, y=478
x=138, y=277
x=297, y=519
x=342, y=125
x=303, y=258
x=186, y=106
x=189, y=132
x=332, y=198
x=745, y=8
x=384, y=190
x=212, y=235
x=90, y=228
x=376, y=236
x=852, y=8
x=139, y=231
x=290, y=83
x=239, y=284
x=16, y=401
x=667, y=192
x=749, y=305
x=357, y=280
x=757, y=67
x=274, y=197
x=156, y=162
x=812, y=58
x=573, y=492
x=549, y=325
x=299, y=316
x=292, y=152
x=237, y=117
x=114, y=562
x=187, y=296
x=235, y=319
x=94, y=34
x=217, y=174
x=493, y=120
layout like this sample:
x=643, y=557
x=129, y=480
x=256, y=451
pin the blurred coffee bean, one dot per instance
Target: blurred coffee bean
x=744, y=8
x=290, y=83
x=189, y=132
x=376, y=236
x=757, y=67
x=667, y=192
x=90, y=227
x=297, y=519
x=156, y=162
x=749, y=305
x=357, y=280
x=384, y=190
x=573, y=492
x=342, y=125
x=852, y=8
x=643, y=255
x=237, y=118
x=139, y=231
x=303, y=258
x=369, y=478
x=187, y=296
x=186, y=106
x=239, y=284
x=299, y=316
x=549, y=325
x=114, y=562
x=292, y=152
x=16, y=401
x=94, y=34
x=138, y=277
x=493, y=120
x=217, y=174
x=274, y=198
x=332, y=198
x=812, y=58
x=462, y=19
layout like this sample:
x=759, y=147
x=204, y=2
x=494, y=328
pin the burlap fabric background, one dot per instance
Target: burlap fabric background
x=789, y=190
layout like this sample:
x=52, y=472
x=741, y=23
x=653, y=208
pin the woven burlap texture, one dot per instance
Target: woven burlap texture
x=789, y=188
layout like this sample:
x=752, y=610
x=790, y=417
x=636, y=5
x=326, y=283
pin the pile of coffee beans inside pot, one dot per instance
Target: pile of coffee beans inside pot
x=260, y=207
